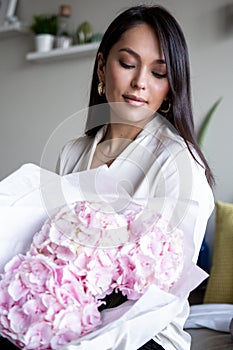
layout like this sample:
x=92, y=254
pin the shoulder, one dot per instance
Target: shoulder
x=163, y=141
x=179, y=162
x=170, y=136
x=71, y=153
x=75, y=145
x=160, y=131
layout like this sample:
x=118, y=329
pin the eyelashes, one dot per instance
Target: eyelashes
x=125, y=65
x=159, y=75
x=132, y=66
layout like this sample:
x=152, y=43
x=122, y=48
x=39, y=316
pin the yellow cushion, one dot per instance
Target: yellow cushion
x=220, y=283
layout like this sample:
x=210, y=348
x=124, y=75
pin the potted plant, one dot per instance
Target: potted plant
x=45, y=28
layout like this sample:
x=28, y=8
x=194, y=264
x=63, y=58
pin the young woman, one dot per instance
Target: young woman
x=140, y=125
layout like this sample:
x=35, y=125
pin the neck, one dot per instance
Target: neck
x=121, y=131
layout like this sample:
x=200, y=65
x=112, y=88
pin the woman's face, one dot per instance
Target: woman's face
x=135, y=75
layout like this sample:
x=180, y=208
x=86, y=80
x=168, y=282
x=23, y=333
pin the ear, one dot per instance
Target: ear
x=101, y=67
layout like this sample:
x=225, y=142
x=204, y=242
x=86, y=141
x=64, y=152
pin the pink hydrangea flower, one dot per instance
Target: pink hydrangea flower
x=50, y=296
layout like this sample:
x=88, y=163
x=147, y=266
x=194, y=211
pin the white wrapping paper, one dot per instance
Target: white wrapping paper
x=31, y=194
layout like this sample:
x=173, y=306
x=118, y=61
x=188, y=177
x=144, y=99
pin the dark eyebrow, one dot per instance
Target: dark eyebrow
x=137, y=56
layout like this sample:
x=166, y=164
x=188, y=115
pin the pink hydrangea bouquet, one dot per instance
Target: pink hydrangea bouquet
x=52, y=295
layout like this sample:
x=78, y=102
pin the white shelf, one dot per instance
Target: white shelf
x=72, y=51
x=9, y=30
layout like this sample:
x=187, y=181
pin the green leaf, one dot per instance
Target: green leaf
x=44, y=24
x=206, y=122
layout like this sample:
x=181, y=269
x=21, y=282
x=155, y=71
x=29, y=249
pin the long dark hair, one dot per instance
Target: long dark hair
x=178, y=71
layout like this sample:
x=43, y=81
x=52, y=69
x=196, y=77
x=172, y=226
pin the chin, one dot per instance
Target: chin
x=122, y=112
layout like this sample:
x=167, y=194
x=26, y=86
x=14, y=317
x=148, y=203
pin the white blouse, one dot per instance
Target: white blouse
x=156, y=164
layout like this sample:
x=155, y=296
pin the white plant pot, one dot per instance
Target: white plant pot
x=44, y=42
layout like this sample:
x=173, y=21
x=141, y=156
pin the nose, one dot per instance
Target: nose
x=139, y=80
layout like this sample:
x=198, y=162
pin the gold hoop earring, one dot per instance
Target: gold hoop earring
x=101, y=88
x=165, y=106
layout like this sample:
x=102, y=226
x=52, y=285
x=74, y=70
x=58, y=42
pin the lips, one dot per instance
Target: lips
x=134, y=100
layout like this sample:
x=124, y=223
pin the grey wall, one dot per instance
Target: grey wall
x=35, y=98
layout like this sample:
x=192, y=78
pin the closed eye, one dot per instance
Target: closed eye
x=126, y=66
x=159, y=75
